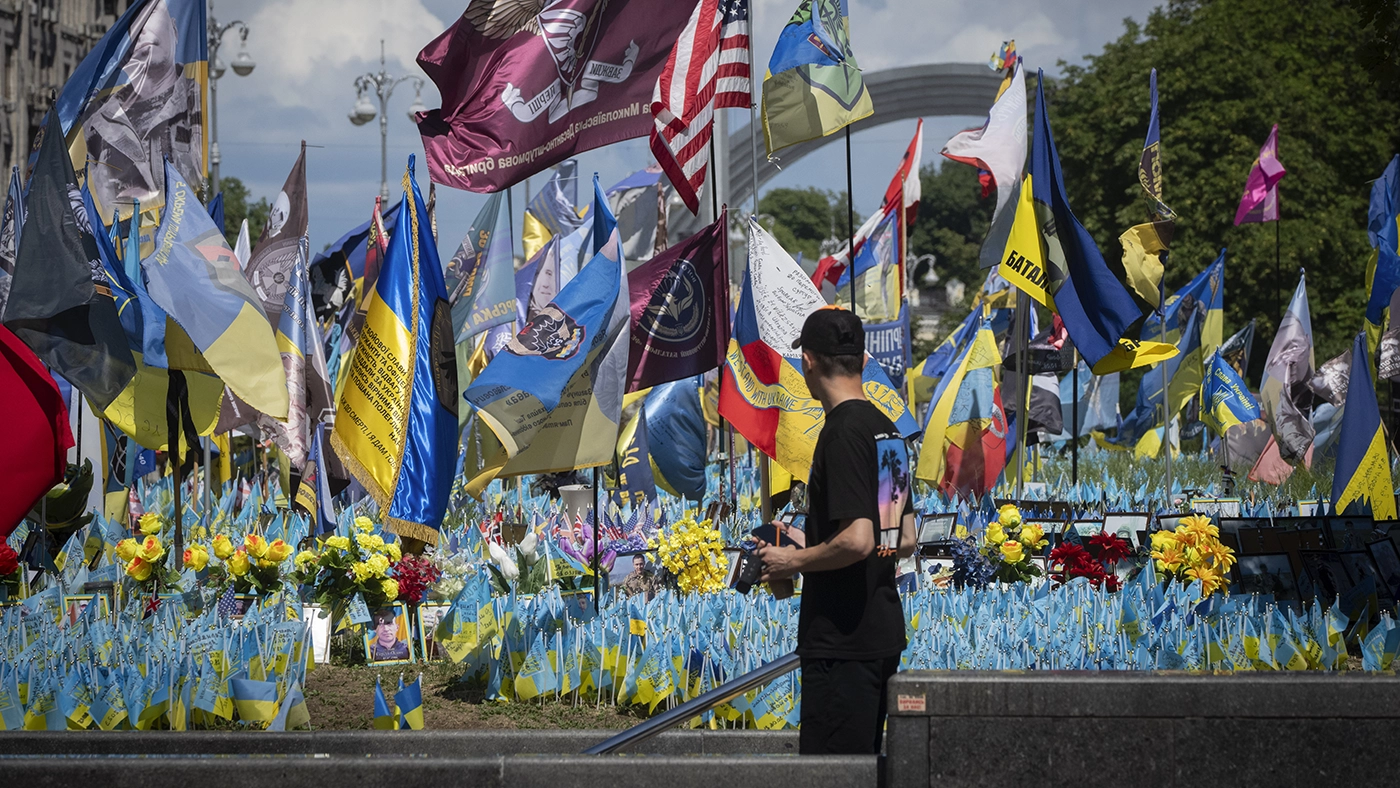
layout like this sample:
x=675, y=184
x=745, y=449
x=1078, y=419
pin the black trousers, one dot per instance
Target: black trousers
x=844, y=705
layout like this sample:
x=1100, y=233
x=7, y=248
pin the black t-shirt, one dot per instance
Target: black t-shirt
x=860, y=469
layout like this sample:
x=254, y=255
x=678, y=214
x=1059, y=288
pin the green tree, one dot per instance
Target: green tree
x=237, y=208
x=953, y=220
x=803, y=218
x=1228, y=70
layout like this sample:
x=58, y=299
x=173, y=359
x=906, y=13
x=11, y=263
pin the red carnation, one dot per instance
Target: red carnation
x=9, y=560
x=414, y=574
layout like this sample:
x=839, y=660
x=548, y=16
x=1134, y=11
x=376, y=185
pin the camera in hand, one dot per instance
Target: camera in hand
x=747, y=571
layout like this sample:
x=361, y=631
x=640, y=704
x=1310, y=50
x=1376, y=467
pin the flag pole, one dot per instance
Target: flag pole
x=1166, y=410
x=714, y=210
x=850, y=227
x=1074, y=420
x=597, y=519
x=1022, y=348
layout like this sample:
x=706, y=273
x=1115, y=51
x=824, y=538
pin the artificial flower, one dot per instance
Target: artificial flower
x=127, y=549
x=364, y=524
x=392, y=550
x=529, y=547
x=304, y=560
x=995, y=533
x=338, y=542
x=151, y=549
x=379, y=564
x=1009, y=516
x=255, y=545
x=361, y=571
x=238, y=563
x=150, y=523
x=223, y=548
x=139, y=570
x=1033, y=536
x=390, y=587
x=196, y=557
x=1011, y=551
x=369, y=542
x=278, y=550
x=9, y=560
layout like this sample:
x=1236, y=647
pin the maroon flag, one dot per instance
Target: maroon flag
x=707, y=70
x=680, y=310
x=526, y=84
x=35, y=442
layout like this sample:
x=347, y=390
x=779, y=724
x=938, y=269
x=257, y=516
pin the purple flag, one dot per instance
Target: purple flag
x=680, y=310
x=1259, y=203
x=529, y=83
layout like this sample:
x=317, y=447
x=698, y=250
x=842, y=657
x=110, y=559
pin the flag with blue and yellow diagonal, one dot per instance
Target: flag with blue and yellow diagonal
x=1362, y=482
x=1225, y=398
x=396, y=424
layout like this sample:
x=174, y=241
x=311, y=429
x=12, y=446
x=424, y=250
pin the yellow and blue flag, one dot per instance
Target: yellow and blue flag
x=1383, y=269
x=1144, y=429
x=409, y=700
x=964, y=448
x=138, y=98
x=396, y=427
x=552, y=210
x=194, y=277
x=304, y=365
x=1225, y=398
x=813, y=87
x=1150, y=163
x=675, y=420
x=385, y=719
x=553, y=395
x=255, y=701
x=1361, y=483
x=481, y=275
x=1051, y=256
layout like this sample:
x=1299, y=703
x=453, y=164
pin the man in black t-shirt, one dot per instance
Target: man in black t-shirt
x=851, y=629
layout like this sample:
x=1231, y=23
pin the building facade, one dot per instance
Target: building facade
x=44, y=41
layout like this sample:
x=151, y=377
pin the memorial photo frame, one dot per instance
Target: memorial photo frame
x=1327, y=576
x=388, y=638
x=429, y=616
x=1126, y=525
x=1268, y=573
x=936, y=527
x=1387, y=560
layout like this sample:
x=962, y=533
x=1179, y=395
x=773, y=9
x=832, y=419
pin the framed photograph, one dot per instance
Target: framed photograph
x=1169, y=522
x=428, y=618
x=936, y=527
x=320, y=633
x=242, y=603
x=1126, y=526
x=388, y=638
x=74, y=605
x=1349, y=533
x=1268, y=574
x=1087, y=528
x=1387, y=560
x=1361, y=568
x=1327, y=576
x=1307, y=508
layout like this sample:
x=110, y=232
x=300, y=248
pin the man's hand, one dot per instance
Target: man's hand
x=779, y=563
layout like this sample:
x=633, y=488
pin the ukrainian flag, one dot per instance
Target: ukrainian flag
x=396, y=427
x=1383, y=269
x=552, y=210
x=964, y=447
x=1362, y=479
x=385, y=719
x=410, y=702
x=255, y=701
x=1145, y=427
x=1225, y=398
x=194, y=277
x=813, y=86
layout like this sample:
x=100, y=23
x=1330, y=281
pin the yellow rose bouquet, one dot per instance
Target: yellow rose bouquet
x=254, y=566
x=145, y=559
x=694, y=553
x=1009, y=544
x=342, y=566
x=1193, y=554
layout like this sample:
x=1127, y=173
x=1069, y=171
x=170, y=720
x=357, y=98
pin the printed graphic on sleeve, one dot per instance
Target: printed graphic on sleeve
x=893, y=489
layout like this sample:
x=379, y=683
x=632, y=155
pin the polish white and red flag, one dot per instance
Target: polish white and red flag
x=708, y=69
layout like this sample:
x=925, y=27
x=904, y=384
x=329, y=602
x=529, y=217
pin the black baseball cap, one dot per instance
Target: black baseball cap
x=832, y=331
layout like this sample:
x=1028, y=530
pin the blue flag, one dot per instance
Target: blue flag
x=1361, y=484
x=675, y=420
x=1225, y=398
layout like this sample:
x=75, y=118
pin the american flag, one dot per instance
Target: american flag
x=707, y=70
x=227, y=604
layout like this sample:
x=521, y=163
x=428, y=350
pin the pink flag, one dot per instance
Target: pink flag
x=1271, y=467
x=1259, y=203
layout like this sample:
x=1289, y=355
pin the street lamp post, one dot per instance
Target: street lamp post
x=242, y=66
x=383, y=84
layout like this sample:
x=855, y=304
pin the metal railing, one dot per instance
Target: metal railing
x=699, y=705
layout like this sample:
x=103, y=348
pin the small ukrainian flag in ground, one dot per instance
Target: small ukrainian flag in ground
x=409, y=701
x=255, y=701
x=385, y=719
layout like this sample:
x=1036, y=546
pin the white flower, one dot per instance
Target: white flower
x=503, y=561
x=529, y=548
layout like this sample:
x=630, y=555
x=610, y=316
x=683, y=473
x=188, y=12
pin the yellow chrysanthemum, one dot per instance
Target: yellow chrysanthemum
x=304, y=560
x=364, y=524
x=338, y=542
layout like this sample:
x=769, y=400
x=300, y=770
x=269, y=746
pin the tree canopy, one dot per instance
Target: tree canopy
x=1227, y=70
x=237, y=208
x=803, y=218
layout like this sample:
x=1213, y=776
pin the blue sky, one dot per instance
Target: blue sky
x=308, y=53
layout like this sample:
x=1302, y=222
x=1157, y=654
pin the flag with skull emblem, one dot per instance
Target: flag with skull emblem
x=396, y=424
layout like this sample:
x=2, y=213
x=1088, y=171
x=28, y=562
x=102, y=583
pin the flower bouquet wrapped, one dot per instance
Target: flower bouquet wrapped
x=1009, y=544
x=343, y=567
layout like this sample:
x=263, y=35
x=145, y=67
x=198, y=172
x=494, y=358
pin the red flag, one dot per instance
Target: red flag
x=707, y=70
x=36, y=439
